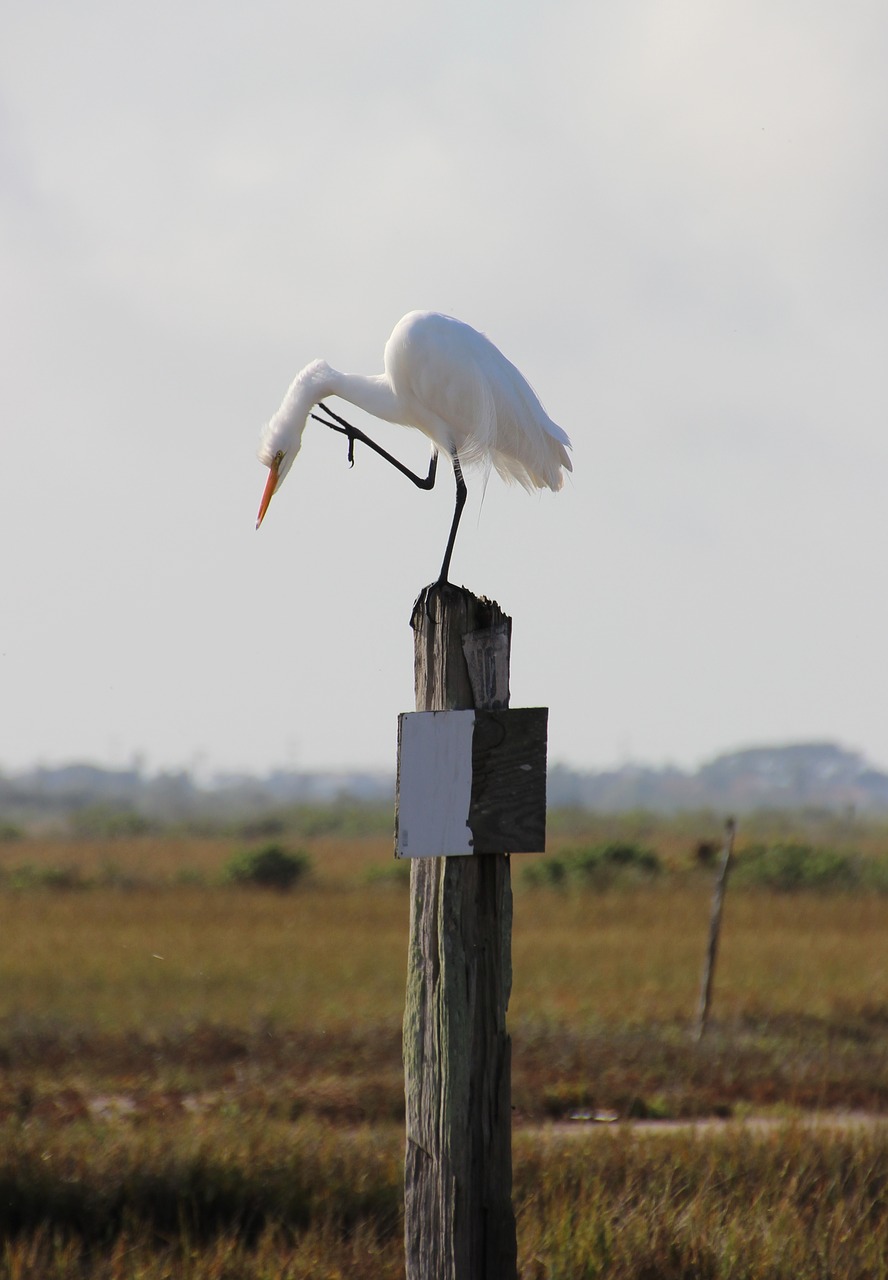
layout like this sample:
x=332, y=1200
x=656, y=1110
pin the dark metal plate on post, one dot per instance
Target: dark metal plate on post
x=507, y=813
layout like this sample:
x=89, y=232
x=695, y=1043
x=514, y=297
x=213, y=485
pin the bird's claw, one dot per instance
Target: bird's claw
x=342, y=427
x=423, y=602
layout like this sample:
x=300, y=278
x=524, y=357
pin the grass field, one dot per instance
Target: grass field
x=205, y=1081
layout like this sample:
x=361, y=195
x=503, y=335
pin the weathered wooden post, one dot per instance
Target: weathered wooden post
x=718, y=897
x=459, y=1221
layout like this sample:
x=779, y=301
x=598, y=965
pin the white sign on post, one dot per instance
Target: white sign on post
x=435, y=783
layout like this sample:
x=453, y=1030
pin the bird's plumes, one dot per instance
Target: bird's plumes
x=450, y=382
x=463, y=392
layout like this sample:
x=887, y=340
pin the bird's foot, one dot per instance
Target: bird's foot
x=423, y=602
x=350, y=432
x=343, y=428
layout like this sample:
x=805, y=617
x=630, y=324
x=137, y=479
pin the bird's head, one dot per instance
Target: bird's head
x=281, y=437
x=278, y=446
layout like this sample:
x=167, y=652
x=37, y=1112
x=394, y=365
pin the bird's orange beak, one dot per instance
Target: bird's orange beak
x=270, y=485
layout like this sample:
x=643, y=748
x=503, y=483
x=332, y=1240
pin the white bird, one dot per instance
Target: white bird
x=449, y=381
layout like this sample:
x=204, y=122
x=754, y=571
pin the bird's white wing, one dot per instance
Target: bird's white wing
x=432, y=363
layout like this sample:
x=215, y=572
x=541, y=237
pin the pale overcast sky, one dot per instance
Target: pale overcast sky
x=672, y=216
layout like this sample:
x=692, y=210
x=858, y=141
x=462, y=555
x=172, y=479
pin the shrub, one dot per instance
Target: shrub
x=28, y=876
x=271, y=867
x=706, y=853
x=790, y=866
x=598, y=866
x=874, y=874
x=550, y=872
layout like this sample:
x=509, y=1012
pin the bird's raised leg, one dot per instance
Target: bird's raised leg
x=422, y=482
x=353, y=434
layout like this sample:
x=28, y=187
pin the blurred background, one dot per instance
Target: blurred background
x=671, y=218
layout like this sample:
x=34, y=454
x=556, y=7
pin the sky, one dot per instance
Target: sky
x=673, y=217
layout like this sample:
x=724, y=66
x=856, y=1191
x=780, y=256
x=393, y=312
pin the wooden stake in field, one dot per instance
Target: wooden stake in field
x=718, y=897
x=459, y=1221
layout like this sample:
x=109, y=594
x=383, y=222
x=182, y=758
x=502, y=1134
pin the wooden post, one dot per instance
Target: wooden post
x=718, y=897
x=459, y=1221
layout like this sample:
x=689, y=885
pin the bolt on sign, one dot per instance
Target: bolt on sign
x=471, y=782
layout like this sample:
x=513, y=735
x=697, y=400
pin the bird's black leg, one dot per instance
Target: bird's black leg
x=353, y=434
x=461, y=492
x=422, y=482
x=424, y=599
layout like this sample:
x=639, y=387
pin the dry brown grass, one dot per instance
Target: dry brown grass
x=322, y=956
x=636, y=956
x=220, y=1201
x=180, y=1044
x=118, y=959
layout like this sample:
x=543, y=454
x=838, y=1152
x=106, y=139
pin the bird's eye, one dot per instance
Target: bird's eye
x=279, y=457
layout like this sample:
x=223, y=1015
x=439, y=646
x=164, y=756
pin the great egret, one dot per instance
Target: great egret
x=454, y=385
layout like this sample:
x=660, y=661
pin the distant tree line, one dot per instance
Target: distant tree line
x=816, y=775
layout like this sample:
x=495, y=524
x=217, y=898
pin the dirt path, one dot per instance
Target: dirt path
x=815, y=1121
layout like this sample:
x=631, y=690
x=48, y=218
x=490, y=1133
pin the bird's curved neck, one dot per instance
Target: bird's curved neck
x=314, y=383
x=372, y=393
